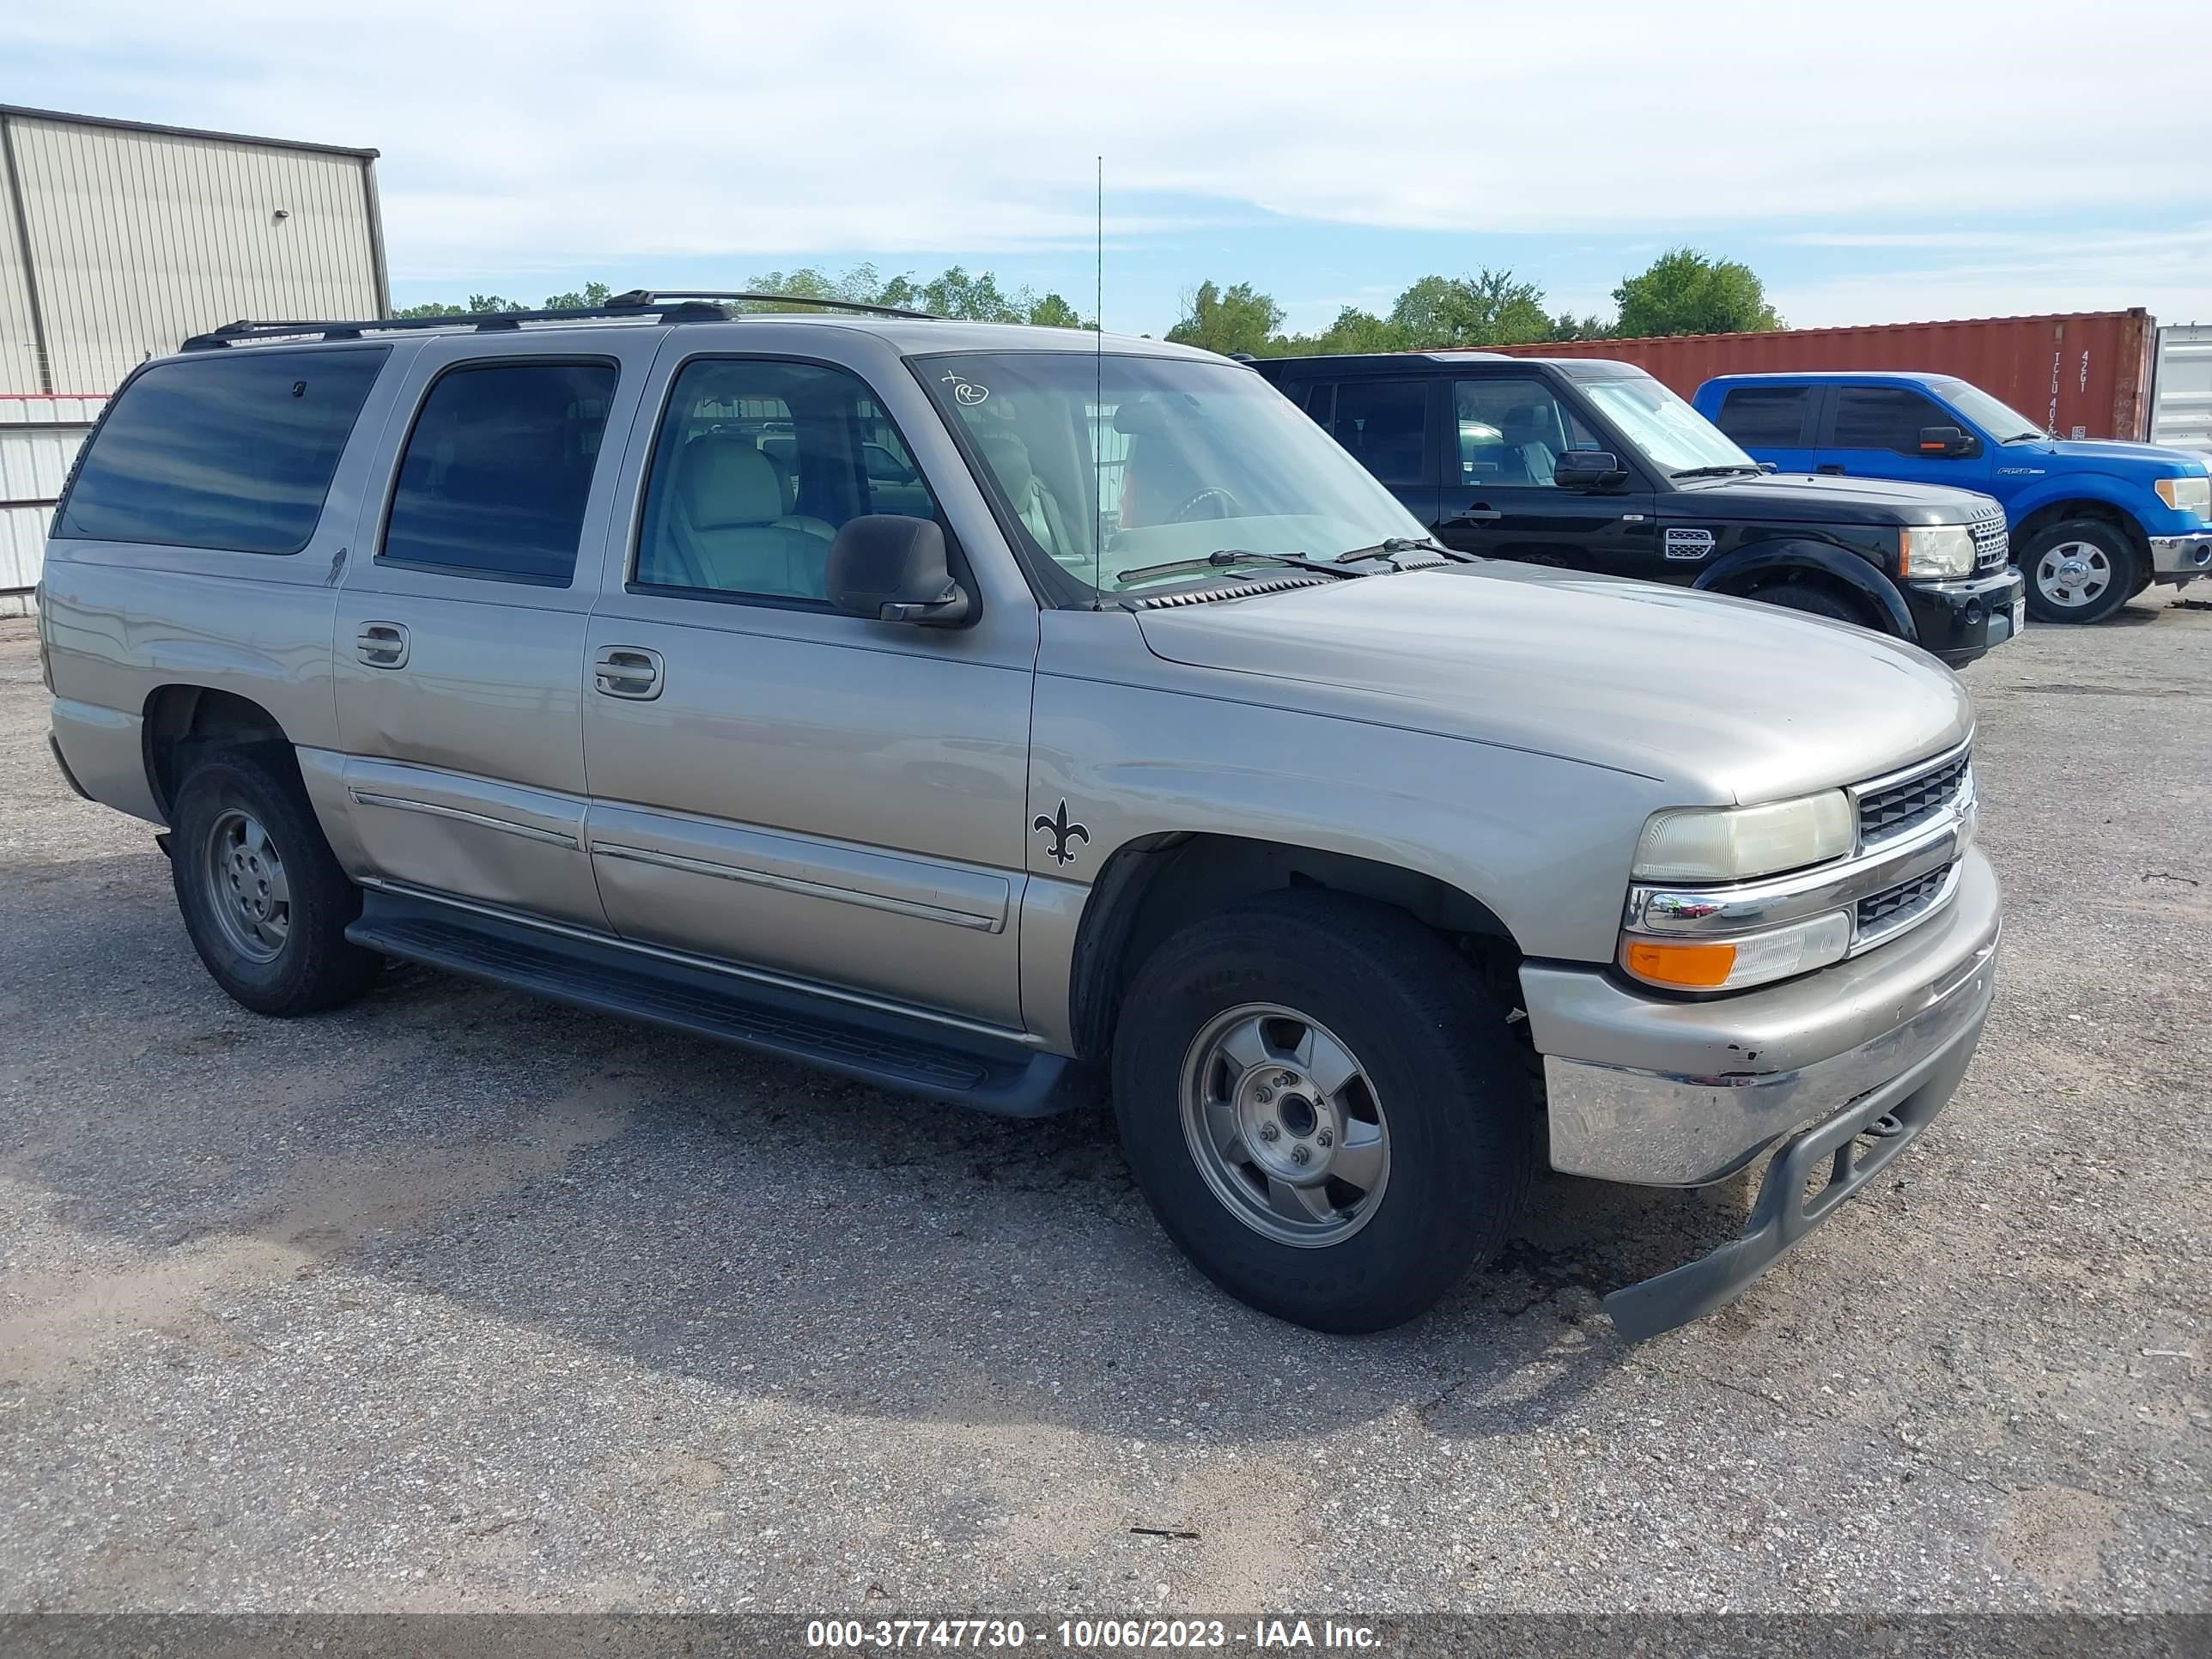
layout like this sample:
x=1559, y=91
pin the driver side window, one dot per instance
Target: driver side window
x=1512, y=432
x=759, y=465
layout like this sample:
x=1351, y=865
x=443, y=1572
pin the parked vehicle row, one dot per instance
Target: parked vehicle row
x=2093, y=523
x=1596, y=466
x=980, y=711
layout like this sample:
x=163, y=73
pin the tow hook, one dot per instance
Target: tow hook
x=1885, y=1128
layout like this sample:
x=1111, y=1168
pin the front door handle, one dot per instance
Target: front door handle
x=1478, y=512
x=382, y=645
x=1832, y=468
x=628, y=670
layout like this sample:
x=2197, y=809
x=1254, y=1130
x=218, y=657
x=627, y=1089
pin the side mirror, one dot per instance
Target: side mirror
x=1945, y=442
x=889, y=567
x=1589, y=469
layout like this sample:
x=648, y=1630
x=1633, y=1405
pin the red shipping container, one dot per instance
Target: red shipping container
x=2084, y=375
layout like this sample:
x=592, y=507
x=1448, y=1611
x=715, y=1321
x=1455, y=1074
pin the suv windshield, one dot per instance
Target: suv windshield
x=1993, y=415
x=1666, y=431
x=1116, y=465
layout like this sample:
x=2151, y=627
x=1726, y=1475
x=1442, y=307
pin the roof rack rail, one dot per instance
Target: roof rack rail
x=642, y=297
x=625, y=307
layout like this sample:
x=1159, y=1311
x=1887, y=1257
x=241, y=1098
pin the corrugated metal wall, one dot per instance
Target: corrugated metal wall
x=118, y=241
x=138, y=238
x=38, y=440
x=2181, y=390
x=2086, y=374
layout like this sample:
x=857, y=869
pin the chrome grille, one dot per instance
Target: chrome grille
x=1897, y=807
x=1895, y=905
x=1992, y=547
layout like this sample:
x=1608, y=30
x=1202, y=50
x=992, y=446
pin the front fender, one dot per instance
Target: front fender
x=2138, y=499
x=1747, y=567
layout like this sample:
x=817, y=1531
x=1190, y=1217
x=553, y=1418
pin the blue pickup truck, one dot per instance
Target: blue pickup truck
x=2093, y=524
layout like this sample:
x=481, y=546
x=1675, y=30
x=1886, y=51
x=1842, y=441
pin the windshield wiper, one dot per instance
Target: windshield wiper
x=1222, y=558
x=1390, y=544
x=1713, y=471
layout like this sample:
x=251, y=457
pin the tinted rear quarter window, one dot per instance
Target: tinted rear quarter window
x=1384, y=423
x=232, y=451
x=1774, y=416
x=497, y=471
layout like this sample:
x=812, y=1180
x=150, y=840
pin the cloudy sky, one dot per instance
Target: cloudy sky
x=1873, y=162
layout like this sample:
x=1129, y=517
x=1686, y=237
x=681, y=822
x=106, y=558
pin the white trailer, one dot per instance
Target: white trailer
x=2181, y=388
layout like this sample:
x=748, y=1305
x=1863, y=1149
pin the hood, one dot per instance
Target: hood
x=2108, y=454
x=1819, y=498
x=1724, y=699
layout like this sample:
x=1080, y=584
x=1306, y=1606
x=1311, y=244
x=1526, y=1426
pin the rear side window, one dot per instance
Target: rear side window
x=1883, y=417
x=1773, y=416
x=497, y=471
x=1385, y=425
x=232, y=451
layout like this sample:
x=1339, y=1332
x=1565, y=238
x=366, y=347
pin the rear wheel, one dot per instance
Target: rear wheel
x=1323, y=1108
x=262, y=896
x=2080, y=571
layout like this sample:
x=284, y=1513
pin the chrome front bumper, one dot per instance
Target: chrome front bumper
x=1667, y=1093
x=2179, y=558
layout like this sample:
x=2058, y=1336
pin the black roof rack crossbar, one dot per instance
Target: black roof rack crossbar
x=644, y=297
x=625, y=308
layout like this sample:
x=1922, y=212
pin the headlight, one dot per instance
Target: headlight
x=1730, y=964
x=1933, y=552
x=1730, y=843
x=2186, y=494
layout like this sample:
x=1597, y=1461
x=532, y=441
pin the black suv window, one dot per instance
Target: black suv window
x=1884, y=418
x=1513, y=431
x=232, y=451
x=1384, y=423
x=1773, y=416
x=759, y=465
x=497, y=471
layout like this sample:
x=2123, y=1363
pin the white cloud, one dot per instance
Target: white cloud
x=2164, y=273
x=562, y=135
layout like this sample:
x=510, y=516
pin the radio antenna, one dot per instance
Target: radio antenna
x=1098, y=402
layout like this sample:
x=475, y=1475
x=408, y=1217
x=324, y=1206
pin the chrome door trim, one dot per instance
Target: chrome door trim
x=400, y=804
x=684, y=958
x=797, y=885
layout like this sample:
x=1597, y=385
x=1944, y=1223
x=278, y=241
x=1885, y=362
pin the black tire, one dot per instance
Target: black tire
x=1447, y=1075
x=2120, y=584
x=314, y=967
x=1813, y=600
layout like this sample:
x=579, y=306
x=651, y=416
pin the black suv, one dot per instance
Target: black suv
x=1595, y=464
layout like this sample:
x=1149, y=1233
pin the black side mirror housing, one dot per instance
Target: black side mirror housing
x=1589, y=469
x=1947, y=442
x=889, y=567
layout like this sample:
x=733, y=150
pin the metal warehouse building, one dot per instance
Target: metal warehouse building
x=118, y=240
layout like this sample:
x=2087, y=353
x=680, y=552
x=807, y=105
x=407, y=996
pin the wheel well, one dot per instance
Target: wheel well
x=184, y=721
x=1154, y=885
x=2058, y=512
x=1813, y=576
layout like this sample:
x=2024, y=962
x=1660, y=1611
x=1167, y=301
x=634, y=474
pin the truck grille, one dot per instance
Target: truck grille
x=1897, y=807
x=1895, y=908
x=1992, y=547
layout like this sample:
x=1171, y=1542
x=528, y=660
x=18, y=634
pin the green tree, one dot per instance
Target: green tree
x=1229, y=320
x=1493, y=307
x=592, y=294
x=1684, y=292
x=1051, y=311
x=1568, y=326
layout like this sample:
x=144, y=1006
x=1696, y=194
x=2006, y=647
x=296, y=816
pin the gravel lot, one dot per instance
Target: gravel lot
x=455, y=1300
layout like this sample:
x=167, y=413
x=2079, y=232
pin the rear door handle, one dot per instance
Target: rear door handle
x=628, y=670
x=1833, y=468
x=382, y=645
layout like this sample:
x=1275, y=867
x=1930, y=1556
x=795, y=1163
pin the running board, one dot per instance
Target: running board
x=890, y=1050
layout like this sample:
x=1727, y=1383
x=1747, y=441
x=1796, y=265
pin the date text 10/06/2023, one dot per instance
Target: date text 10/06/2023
x=1092, y=1635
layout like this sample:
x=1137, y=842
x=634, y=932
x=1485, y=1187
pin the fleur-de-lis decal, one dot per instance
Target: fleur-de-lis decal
x=1062, y=832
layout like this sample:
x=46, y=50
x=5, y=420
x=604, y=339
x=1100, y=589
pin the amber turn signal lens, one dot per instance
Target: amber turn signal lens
x=1693, y=967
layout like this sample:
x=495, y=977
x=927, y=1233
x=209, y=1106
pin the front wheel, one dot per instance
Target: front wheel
x=2080, y=571
x=262, y=896
x=1810, y=599
x=1323, y=1108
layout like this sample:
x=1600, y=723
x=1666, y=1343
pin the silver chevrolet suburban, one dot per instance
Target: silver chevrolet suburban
x=981, y=711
